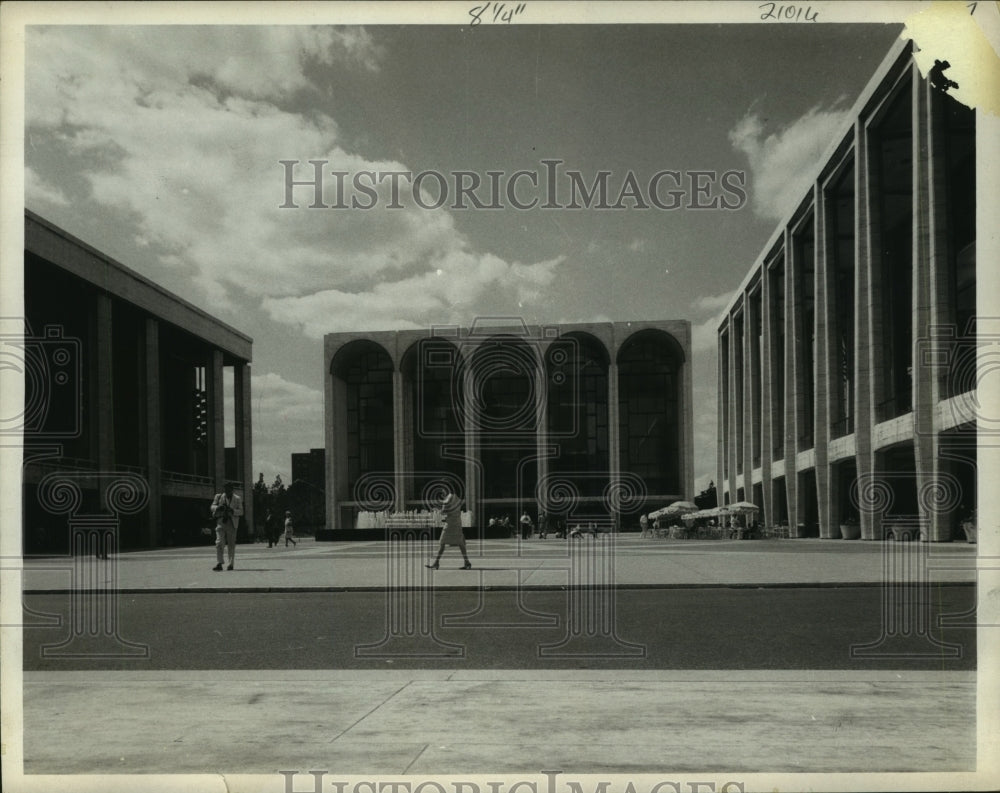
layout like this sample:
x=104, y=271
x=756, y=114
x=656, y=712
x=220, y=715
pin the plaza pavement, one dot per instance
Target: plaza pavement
x=624, y=560
x=222, y=725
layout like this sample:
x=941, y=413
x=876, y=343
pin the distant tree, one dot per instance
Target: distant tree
x=278, y=497
x=707, y=498
x=260, y=500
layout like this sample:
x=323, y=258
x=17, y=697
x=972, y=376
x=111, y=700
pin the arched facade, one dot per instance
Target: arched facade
x=511, y=417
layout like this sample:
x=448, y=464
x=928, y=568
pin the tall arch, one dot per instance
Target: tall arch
x=649, y=410
x=433, y=426
x=504, y=382
x=362, y=372
x=577, y=410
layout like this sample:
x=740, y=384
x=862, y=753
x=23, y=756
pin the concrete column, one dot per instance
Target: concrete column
x=614, y=419
x=398, y=442
x=407, y=464
x=754, y=305
x=686, y=408
x=722, y=457
x=791, y=417
x=329, y=438
x=152, y=446
x=244, y=439
x=746, y=399
x=829, y=526
x=866, y=249
x=470, y=423
x=216, y=419
x=542, y=431
x=768, y=514
x=733, y=402
x=104, y=404
x=930, y=283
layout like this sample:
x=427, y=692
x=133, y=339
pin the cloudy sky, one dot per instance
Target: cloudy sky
x=161, y=146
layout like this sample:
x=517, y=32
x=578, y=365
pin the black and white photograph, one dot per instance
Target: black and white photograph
x=500, y=397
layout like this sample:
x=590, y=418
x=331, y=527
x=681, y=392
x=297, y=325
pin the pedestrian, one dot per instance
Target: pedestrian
x=289, y=530
x=509, y=527
x=451, y=533
x=543, y=526
x=643, y=526
x=227, y=507
x=526, y=525
x=271, y=529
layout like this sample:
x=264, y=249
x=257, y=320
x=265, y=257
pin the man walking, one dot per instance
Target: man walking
x=227, y=507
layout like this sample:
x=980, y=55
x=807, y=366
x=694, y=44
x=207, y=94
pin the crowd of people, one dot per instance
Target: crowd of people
x=526, y=528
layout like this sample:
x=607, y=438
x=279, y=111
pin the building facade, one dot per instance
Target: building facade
x=847, y=357
x=588, y=420
x=306, y=493
x=124, y=401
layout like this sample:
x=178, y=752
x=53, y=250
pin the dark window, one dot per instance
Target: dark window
x=504, y=374
x=805, y=330
x=436, y=402
x=892, y=152
x=960, y=190
x=840, y=201
x=368, y=378
x=577, y=378
x=724, y=367
x=738, y=384
x=776, y=291
x=756, y=330
x=648, y=398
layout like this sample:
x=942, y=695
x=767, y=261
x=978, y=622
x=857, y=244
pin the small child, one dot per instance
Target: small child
x=289, y=530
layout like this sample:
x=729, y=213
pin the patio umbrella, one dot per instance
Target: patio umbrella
x=743, y=506
x=681, y=506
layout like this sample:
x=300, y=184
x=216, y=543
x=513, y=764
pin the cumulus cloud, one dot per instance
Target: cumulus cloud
x=704, y=334
x=783, y=163
x=286, y=416
x=183, y=130
x=446, y=293
x=38, y=191
x=712, y=302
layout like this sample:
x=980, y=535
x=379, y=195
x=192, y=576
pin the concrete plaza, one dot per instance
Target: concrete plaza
x=222, y=725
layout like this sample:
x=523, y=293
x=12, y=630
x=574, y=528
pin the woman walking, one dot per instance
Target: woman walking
x=452, y=533
x=289, y=530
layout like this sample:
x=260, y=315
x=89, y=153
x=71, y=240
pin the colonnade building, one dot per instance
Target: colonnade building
x=125, y=420
x=847, y=357
x=588, y=421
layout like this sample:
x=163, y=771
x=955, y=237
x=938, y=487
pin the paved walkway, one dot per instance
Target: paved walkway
x=627, y=560
x=681, y=726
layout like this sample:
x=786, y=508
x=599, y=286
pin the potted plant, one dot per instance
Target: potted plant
x=970, y=526
x=850, y=529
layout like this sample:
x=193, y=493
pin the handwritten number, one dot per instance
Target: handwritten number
x=501, y=12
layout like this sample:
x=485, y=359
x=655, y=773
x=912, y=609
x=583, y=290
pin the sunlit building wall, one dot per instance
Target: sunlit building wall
x=847, y=354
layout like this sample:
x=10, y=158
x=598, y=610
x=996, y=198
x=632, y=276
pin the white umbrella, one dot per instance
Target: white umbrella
x=714, y=512
x=743, y=506
x=677, y=508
